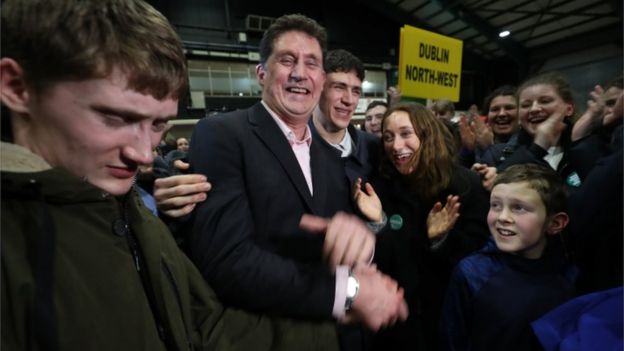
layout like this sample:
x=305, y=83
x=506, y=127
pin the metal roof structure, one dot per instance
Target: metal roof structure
x=536, y=27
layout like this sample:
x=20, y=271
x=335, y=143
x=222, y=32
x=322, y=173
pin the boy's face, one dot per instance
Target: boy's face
x=98, y=129
x=517, y=220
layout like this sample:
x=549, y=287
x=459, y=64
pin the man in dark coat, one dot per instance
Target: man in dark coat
x=268, y=171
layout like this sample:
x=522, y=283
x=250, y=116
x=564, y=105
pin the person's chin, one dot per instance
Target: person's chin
x=300, y=109
x=503, y=131
x=342, y=124
x=115, y=187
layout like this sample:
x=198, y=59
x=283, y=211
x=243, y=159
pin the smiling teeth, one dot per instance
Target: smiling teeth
x=298, y=90
x=536, y=120
x=504, y=232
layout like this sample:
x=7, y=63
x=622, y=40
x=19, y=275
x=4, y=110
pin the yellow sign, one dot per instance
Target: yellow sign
x=429, y=64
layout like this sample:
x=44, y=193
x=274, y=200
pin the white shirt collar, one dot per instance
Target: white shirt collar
x=345, y=146
x=290, y=135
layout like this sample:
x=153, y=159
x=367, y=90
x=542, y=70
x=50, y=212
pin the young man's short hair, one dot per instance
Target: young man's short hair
x=504, y=90
x=546, y=182
x=64, y=40
x=288, y=23
x=343, y=61
x=376, y=103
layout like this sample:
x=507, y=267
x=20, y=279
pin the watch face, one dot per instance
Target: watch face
x=351, y=287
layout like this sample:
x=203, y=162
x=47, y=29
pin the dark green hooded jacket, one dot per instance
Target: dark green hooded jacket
x=70, y=281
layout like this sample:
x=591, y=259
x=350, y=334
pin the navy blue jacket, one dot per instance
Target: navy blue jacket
x=493, y=296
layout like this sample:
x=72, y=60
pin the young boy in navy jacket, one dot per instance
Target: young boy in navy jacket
x=519, y=275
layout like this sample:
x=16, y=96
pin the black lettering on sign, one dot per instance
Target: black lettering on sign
x=426, y=75
x=433, y=53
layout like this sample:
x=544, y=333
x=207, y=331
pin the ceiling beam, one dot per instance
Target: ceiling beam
x=571, y=13
x=444, y=9
x=599, y=37
x=616, y=6
x=558, y=30
x=498, y=12
x=400, y=16
x=523, y=17
x=563, y=29
x=554, y=19
x=394, y=13
x=511, y=47
x=418, y=8
x=477, y=6
x=531, y=26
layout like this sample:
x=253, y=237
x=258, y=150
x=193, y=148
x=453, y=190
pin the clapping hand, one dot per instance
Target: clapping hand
x=441, y=219
x=367, y=201
x=487, y=174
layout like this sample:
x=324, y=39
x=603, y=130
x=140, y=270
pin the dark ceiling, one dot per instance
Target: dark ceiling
x=555, y=26
x=539, y=28
x=582, y=37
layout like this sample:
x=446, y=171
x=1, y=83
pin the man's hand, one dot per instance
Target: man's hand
x=379, y=302
x=487, y=174
x=367, y=201
x=347, y=239
x=442, y=219
x=177, y=196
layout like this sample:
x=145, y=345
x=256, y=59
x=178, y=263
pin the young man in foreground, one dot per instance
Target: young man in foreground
x=90, y=87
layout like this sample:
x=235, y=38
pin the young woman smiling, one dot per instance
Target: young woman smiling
x=420, y=187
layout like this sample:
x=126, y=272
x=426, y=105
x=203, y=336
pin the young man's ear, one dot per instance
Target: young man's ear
x=260, y=74
x=557, y=223
x=13, y=89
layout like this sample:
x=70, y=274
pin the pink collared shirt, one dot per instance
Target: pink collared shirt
x=301, y=148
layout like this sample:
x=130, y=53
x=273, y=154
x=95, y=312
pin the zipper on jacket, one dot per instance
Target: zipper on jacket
x=139, y=260
x=174, y=286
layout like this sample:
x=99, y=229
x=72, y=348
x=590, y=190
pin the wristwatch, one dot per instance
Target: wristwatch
x=353, y=286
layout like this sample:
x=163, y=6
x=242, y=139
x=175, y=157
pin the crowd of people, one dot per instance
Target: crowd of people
x=283, y=226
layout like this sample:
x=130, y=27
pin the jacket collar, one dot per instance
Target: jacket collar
x=271, y=135
x=18, y=159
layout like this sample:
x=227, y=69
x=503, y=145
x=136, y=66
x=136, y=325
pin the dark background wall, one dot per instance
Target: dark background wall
x=374, y=37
